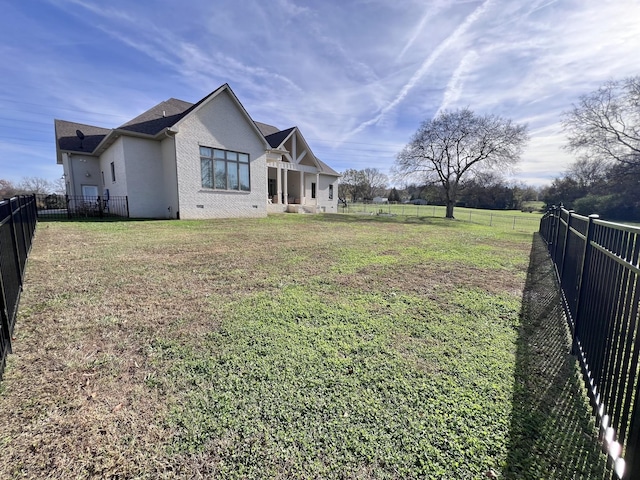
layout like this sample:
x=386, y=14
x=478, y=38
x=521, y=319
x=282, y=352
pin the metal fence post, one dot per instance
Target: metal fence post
x=558, y=219
x=14, y=241
x=4, y=312
x=564, y=248
x=126, y=198
x=584, y=274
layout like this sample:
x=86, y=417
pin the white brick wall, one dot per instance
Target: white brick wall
x=219, y=124
x=170, y=176
x=145, y=178
x=76, y=167
x=330, y=206
x=115, y=154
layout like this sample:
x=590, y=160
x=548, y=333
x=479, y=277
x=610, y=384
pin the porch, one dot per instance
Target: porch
x=291, y=186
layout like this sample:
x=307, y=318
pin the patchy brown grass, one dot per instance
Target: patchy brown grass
x=84, y=394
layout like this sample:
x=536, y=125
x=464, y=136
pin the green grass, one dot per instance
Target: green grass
x=328, y=346
x=515, y=220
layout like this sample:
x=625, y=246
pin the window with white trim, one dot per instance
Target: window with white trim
x=224, y=169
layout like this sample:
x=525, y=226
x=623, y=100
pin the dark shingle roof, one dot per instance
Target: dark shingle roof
x=275, y=139
x=157, y=118
x=324, y=168
x=152, y=122
x=266, y=129
x=68, y=139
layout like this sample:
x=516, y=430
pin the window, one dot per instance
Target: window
x=330, y=192
x=313, y=190
x=113, y=172
x=224, y=170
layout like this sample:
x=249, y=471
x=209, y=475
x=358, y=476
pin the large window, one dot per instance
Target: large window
x=224, y=170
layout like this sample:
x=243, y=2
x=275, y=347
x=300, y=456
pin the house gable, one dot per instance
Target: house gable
x=155, y=159
x=219, y=123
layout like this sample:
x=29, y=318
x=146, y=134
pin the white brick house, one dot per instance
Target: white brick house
x=202, y=160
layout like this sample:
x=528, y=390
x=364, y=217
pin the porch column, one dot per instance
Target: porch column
x=286, y=188
x=279, y=185
x=302, y=202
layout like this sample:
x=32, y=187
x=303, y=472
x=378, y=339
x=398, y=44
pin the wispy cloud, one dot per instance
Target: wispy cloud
x=357, y=77
x=455, y=84
x=426, y=65
x=430, y=13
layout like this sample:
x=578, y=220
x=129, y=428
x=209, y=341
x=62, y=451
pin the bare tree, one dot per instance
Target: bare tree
x=362, y=184
x=459, y=144
x=350, y=185
x=588, y=172
x=7, y=189
x=374, y=183
x=36, y=185
x=605, y=124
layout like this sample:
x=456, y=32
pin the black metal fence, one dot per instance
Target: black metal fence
x=597, y=268
x=81, y=206
x=17, y=225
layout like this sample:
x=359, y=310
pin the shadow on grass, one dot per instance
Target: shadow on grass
x=552, y=432
x=385, y=218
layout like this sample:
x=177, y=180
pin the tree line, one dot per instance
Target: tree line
x=460, y=158
x=603, y=130
x=31, y=185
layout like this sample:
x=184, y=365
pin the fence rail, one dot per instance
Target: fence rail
x=597, y=268
x=81, y=206
x=17, y=226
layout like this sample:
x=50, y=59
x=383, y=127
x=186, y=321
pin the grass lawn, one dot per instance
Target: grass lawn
x=296, y=346
x=514, y=220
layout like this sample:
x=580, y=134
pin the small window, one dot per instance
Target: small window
x=113, y=172
x=330, y=192
x=313, y=190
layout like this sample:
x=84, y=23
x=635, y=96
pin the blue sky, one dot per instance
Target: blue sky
x=357, y=77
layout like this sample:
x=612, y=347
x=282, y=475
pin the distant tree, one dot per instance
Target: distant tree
x=350, y=187
x=362, y=184
x=588, y=172
x=524, y=193
x=37, y=185
x=605, y=124
x=59, y=187
x=394, y=196
x=460, y=144
x=374, y=183
x=7, y=189
x=488, y=190
x=563, y=190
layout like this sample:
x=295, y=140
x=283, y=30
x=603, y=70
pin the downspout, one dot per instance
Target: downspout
x=172, y=135
x=72, y=180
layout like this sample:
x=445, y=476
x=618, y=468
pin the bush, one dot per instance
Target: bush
x=609, y=207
